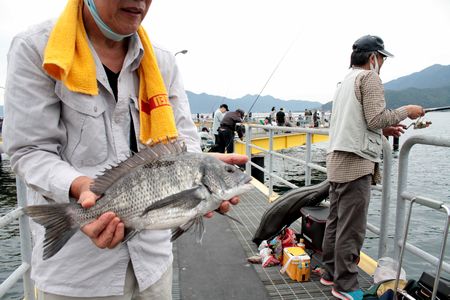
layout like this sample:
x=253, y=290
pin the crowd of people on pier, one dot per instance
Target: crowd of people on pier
x=216, y=134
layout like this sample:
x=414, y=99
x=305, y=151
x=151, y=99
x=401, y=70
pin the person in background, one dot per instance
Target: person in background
x=358, y=121
x=206, y=140
x=227, y=128
x=272, y=115
x=308, y=118
x=103, y=91
x=290, y=118
x=315, y=119
x=281, y=117
x=218, y=116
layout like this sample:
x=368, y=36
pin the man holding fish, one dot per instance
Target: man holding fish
x=82, y=94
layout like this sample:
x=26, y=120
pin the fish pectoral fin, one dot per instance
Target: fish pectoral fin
x=199, y=228
x=129, y=234
x=194, y=194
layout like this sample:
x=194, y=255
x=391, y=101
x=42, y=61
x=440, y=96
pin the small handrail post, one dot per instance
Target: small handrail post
x=385, y=197
x=248, y=149
x=25, y=240
x=442, y=253
x=270, y=162
x=402, y=249
x=308, y=159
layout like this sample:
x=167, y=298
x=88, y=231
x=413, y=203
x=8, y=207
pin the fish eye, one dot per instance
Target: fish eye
x=229, y=169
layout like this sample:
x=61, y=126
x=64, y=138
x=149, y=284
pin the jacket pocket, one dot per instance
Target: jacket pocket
x=85, y=122
x=372, y=144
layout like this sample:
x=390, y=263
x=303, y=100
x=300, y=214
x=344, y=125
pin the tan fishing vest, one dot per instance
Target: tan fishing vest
x=348, y=128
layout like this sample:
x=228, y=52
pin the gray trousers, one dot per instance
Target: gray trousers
x=345, y=231
x=161, y=290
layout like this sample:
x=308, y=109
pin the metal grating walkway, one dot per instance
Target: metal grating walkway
x=277, y=286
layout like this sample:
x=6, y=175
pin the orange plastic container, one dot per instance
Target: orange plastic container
x=296, y=263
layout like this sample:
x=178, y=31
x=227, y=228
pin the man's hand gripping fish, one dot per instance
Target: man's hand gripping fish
x=161, y=187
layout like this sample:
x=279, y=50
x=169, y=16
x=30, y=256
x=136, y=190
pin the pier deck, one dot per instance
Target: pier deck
x=218, y=268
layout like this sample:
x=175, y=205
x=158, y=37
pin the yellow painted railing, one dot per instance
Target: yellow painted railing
x=281, y=141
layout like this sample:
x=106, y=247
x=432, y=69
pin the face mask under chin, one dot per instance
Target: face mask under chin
x=375, y=67
x=106, y=31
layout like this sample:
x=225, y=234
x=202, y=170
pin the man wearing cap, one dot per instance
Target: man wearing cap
x=359, y=119
x=218, y=116
x=227, y=129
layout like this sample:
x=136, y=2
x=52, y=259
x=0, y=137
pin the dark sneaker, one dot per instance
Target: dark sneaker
x=325, y=278
x=325, y=281
x=353, y=295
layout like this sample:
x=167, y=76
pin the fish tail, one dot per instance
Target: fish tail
x=59, y=222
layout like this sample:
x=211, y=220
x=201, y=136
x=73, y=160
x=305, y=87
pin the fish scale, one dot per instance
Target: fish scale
x=161, y=187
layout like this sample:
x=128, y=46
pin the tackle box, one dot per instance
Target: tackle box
x=296, y=263
x=426, y=282
x=314, y=219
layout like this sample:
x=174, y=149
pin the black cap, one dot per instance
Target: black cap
x=369, y=43
x=240, y=111
x=224, y=106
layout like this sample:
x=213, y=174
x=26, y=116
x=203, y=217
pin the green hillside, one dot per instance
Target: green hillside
x=435, y=76
x=428, y=88
x=424, y=97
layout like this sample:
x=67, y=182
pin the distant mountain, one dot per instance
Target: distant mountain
x=424, y=97
x=205, y=103
x=428, y=88
x=436, y=76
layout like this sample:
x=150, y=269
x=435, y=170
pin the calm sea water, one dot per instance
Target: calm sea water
x=9, y=236
x=428, y=176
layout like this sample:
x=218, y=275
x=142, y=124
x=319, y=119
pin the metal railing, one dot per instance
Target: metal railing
x=403, y=218
x=385, y=188
x=23, y=271
x=309, y=165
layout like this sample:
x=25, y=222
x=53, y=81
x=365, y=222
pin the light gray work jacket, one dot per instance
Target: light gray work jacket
x=53, y=135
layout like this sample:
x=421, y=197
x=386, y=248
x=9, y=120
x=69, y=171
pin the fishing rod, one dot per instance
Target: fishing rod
x=436, y=108
x=273, y=72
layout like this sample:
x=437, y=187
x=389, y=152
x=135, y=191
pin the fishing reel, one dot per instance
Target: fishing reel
x=420, y=123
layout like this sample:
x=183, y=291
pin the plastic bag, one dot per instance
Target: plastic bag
x=268, y=259
x=387, y=270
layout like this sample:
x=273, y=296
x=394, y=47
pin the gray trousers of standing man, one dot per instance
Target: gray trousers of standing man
x=345, y=231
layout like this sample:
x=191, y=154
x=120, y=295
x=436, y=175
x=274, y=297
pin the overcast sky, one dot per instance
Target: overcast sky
x=234, y=45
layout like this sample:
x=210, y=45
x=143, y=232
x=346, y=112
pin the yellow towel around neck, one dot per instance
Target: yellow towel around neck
x=68, y=58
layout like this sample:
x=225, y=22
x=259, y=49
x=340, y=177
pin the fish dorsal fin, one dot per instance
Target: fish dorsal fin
x=143, y=157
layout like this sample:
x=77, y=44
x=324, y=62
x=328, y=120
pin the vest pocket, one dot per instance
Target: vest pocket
x=372, y=144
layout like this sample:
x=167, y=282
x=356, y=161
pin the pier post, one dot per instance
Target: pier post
x=257, y=173
x=395, y=143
